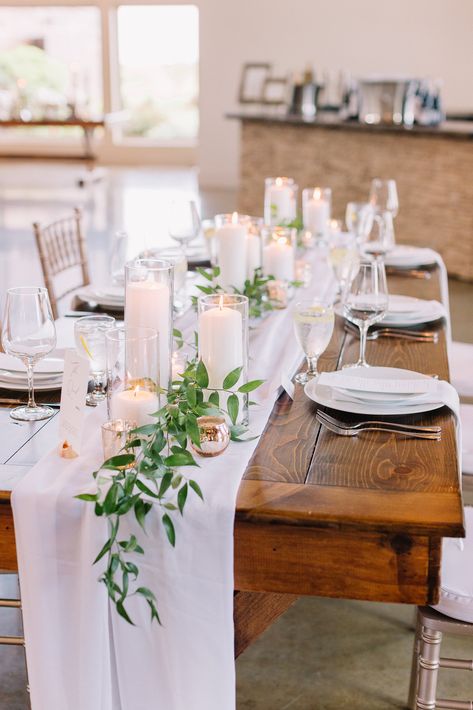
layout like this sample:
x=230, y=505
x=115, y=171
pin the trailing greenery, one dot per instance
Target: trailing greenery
x=256, y=290
x=152, y=474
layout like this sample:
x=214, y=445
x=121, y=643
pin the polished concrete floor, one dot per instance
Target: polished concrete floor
x=323, y=654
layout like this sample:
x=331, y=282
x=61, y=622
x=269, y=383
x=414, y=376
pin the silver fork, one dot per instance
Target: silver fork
x=406, y=427
x=418, y=336
x=347, y=431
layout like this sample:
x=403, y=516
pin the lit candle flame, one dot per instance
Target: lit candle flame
x=334, y=224
x=279, y=182
x=282, y=240
x=136, y=390
x=220, y=302
x=235, y=218
x=317, y=193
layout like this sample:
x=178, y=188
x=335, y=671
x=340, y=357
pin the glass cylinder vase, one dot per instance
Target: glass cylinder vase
x=280, y=200
x=254, y=246
x=279, y=252
x=133, y=391
x=230, y=249
x=223, y=346
x=316, y=210
x=149, y=285
x=178, y=259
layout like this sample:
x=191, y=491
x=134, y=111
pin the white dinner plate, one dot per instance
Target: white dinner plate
x=105, y=296
x=38, y=386
x=407, y=311
x=323, y=394
x=409, y=257
x=48, y=365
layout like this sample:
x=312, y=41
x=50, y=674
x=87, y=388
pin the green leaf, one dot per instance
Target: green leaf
x=127, y=504
x=232, y=378
x=122, y=611
x=176, y=481
x=142, y=508
x=120, y=461
x=208, y=290
x=165, y=483
x=196, y=488
x=104, y=550
x=146, y=593
x=191, y=396
x=250, y=386
x=169, y=527
x=181, y=498
x=184, y=458
x=206, y=274
x=192, y=429
x=90, y=497
x=132, y=569
x=144, y=489
x=233, y=407
x=145, y=430
x=170, y=506
x=110, y=501
x=128, y=545
x=216, y=271
x=201, y=375
x=214, y=398
x=114, y=562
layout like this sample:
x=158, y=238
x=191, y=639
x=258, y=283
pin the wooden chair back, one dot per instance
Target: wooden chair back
x=61, y=246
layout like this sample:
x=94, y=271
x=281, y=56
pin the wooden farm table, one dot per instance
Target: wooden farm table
x=318, y=514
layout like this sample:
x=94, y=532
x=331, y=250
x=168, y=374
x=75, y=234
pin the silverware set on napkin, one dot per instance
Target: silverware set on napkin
x=416, y=431
x=418, y=336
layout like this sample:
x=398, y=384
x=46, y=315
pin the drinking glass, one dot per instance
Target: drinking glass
x=359, y=219
x=89, y=335
x=344, y=258
x=366, y=301
x=29, y=334
x=184, y=222
x=118, y=258
x=380, y=238
x=383, y=196
x=313, y=325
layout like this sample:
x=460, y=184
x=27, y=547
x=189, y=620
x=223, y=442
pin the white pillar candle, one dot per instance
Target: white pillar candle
x=278, y=259
x=316, y=213
x=253, y=255
x=147, y=305
x=231, y=254
x=282, y=202
x=220, y=342
x=134, y=405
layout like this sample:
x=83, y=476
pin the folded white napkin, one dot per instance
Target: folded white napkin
x=389, y=386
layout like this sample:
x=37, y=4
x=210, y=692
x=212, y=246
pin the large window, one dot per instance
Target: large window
x=138, y=62
x=158, y=49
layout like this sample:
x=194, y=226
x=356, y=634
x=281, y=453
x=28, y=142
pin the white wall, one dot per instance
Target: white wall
x=417, y=37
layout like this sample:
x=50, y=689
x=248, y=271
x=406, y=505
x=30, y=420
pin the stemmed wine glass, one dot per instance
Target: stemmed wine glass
x=313, y=325
x=344, y=258
x=383, y=196
x=359, y=219
x=184, y=222
x=366, y=301
x=29, y=334
x=118, y=257
x=380, y=239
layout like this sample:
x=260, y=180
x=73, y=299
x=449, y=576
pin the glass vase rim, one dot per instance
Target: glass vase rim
x=228, y=217
x=287, y=180
x=325, y=302
x=151, y=264
x=282, y=229
x=96, y=318
x=322, y=189
x=27, y=290
x=214, y=299
x=131, y=333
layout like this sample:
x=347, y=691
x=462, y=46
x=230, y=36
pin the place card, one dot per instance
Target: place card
x=74, y=390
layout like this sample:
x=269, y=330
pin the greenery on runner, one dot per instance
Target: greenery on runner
x=152, y=473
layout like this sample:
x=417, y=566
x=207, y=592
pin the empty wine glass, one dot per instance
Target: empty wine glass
x=313, y=325
x=383, y=196
x=344, y=258
x=118, y=257
x=184, y=222
x=380, y=239
x=89, y=333
x=366, y=301
x=359, y=219
x=29, y=334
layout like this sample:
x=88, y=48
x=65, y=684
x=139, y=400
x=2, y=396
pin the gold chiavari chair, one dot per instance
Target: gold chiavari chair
x=63, y=256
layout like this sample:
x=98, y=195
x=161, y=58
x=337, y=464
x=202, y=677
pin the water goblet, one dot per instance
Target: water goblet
x=29, y=334
x=366, y=301
x=184, y=222
x=89, y=333
x=380, y=239
x=344, y=258
x=313, y=326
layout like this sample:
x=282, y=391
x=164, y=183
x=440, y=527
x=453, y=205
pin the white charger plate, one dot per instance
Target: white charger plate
x=38, y=386
x=323, y=394
x=48, y=365
x=106, y=296
x=410, y=257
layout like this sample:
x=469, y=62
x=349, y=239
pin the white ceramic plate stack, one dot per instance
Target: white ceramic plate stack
x=407, y=257
x=405, y=311
x=376, y=391
x=47, y=374
x=112, y=297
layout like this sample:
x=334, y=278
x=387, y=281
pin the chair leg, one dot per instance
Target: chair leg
x=414, y=682
x=429, y=662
